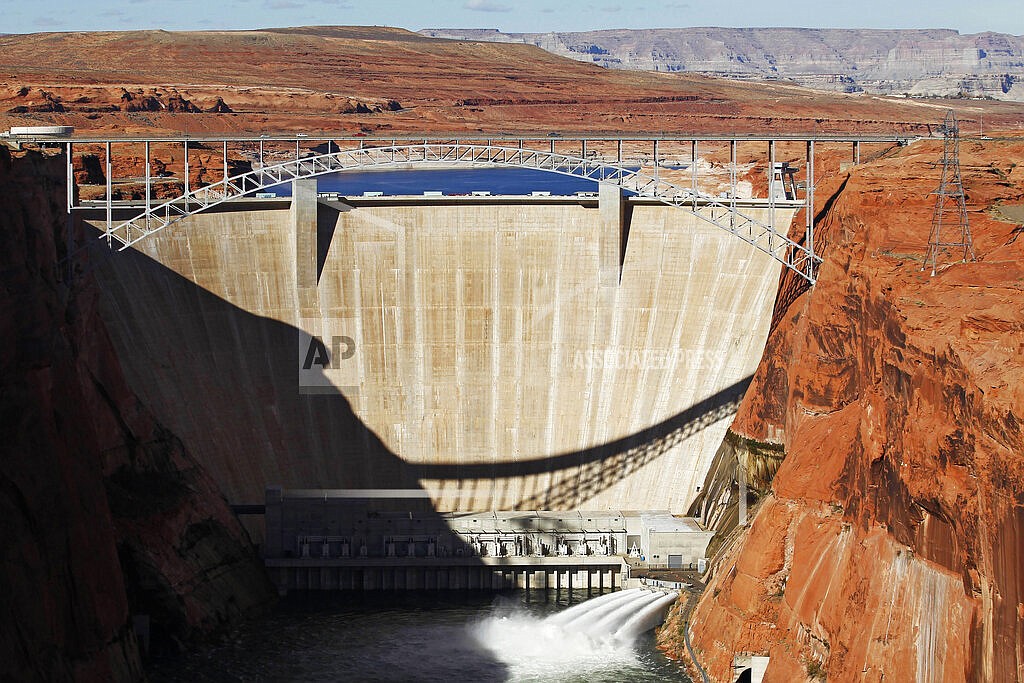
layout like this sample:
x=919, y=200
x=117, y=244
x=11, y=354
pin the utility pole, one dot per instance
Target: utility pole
x=950, y=215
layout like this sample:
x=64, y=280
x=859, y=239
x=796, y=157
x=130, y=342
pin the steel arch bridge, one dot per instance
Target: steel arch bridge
x=725, y=213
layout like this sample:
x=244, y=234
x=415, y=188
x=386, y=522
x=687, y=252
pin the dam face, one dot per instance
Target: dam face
x=493, y=365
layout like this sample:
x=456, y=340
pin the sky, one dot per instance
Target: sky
x=18, y=16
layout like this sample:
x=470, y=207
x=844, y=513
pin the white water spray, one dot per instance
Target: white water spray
x=591, y=610
x=606, y=626
x=647, y=618
x=589, y=637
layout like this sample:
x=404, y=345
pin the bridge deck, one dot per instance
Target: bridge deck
x=323, y=136
x=248, y=203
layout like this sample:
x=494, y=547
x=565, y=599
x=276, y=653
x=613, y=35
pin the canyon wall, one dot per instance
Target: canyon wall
x=106, y=516
x=494, y=364
x=919, y=62
x=890, y=546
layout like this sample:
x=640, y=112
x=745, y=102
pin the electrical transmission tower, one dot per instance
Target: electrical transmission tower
x=950, y=217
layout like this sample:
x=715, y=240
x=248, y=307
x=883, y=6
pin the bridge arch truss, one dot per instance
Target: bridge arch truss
x=728, y=213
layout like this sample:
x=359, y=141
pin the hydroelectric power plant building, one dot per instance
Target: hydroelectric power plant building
x=324, y=540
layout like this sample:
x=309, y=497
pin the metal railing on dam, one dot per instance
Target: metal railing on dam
x=641, y=166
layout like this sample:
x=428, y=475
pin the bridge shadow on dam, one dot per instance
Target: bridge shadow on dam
x=599, y=467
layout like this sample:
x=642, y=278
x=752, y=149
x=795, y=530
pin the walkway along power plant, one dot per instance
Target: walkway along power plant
x=372, y=372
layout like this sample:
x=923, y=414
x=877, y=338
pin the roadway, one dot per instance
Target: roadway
x=588, y=199
x=325, y=136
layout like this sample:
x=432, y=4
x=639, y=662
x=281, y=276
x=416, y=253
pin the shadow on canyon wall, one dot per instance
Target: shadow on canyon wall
x=106, y=515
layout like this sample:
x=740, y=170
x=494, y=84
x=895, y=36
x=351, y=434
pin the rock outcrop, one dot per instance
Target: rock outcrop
x=219, y=107
x=105, y=516
x=890, y=547
x=925, y=62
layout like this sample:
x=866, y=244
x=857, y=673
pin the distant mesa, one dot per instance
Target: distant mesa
x=178, y=103
x=381, y=81
x=356, y=107
x=916, y=63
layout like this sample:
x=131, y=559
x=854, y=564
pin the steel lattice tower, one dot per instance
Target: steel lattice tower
x=950, y=217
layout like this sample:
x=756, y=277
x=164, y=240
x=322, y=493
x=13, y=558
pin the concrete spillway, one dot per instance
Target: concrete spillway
x=494, y=364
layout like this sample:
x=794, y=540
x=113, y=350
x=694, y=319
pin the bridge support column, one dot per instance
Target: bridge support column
x=612, y=238
x=304, y=208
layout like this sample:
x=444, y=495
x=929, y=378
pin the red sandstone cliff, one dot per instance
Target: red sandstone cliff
x=104, y=514
x=891, y=546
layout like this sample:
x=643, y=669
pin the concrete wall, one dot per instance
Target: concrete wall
x=482, y=337
x=691, y=547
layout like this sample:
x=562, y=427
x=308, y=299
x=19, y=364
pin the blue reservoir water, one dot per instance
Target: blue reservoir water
x=404, y=637
x=455, y=181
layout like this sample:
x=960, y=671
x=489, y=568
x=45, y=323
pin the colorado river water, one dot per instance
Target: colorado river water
x=418, y=637
x=450, y=181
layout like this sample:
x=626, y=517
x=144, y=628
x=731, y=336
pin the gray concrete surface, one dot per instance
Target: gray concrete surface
x=494, y=367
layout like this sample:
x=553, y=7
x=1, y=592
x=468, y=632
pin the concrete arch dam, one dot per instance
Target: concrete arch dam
x=480, y=351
